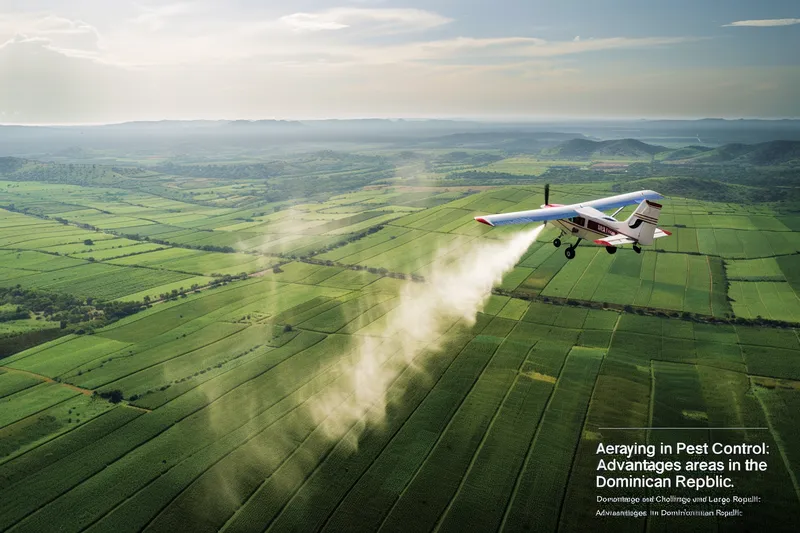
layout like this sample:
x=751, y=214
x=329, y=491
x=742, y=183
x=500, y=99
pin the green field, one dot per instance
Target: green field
x=294, y=397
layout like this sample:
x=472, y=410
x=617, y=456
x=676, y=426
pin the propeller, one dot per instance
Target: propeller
x=546, y=196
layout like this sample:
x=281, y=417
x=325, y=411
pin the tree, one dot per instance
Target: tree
x=88, y=242
x=113, y=396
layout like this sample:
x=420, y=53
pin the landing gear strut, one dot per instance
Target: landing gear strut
x=637, y=248
x=570, y=251
x=556, y=242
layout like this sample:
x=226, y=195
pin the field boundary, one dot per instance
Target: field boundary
x=47, y=379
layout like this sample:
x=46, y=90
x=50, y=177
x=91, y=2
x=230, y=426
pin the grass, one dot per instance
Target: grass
x=13, y=382
x=514, y=309
x=32, y=400
x=755, y=269
x=493, y=425
x=774, y=300
x=549, y=460
x=66, y=356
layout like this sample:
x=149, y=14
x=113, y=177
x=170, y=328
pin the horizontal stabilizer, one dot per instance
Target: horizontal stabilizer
x=619, y=239
x=615, y=240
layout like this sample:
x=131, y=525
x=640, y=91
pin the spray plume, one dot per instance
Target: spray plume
x=455, y=291
x=351, y=395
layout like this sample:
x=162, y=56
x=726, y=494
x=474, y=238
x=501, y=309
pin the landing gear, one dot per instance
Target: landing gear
x=556, y=242
x=570, y=251
x=611, y=249
x=637, y=248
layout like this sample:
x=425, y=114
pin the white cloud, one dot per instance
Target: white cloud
x=202, y=59
x=311, y=22
x=60, y=32
x=764, y=23
x=385, y=19
x=505, y=49
x=184, y=33
x=156, y=18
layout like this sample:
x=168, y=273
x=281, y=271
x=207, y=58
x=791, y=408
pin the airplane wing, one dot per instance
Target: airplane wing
x=568, y=211
x=619, y=239
x=523, y=217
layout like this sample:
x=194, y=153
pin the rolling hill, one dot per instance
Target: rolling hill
x=615, y=149
x=764, y=154
x=685, y=153
x=772, y=153
x=712, y=190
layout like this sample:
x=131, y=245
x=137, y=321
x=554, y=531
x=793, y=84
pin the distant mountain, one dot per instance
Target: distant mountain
x=686, y=152
x=614, y=149
x=763, y=154
x=265, y=123
x=712, y=190
x=510, y=141
x=721, y=154
x=774, y=153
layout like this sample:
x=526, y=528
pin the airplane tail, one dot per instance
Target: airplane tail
x=642, y=223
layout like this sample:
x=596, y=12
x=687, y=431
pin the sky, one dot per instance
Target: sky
x=96, y=61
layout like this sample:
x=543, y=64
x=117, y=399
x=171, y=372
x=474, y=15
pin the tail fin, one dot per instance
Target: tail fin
x=642, y=223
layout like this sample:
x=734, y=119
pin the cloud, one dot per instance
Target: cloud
x=196, y=33
x=168, y=60
x=156, y=18
x=763, y=23
x=506, y=49
x=385, y=19
x=311, y=22
x=61, y=88
x=60, y=32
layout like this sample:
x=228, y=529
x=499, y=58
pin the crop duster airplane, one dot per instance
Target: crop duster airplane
x=588, y=222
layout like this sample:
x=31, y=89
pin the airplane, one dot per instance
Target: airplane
x=586, y=220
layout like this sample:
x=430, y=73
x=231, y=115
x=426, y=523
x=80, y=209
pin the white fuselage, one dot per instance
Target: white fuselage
x=587, y=228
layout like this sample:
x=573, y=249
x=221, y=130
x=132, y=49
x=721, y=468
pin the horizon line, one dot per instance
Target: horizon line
x=480, y=119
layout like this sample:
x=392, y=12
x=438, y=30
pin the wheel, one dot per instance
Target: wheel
x=611, y=249
x=556, y=242
x=569, y=252
x=637, y=249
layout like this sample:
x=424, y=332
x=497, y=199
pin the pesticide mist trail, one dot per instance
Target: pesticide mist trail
x=455, y=291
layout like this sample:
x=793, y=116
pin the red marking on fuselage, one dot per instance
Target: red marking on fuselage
x=483, y=221
x=554, y=205
x=585, y=228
